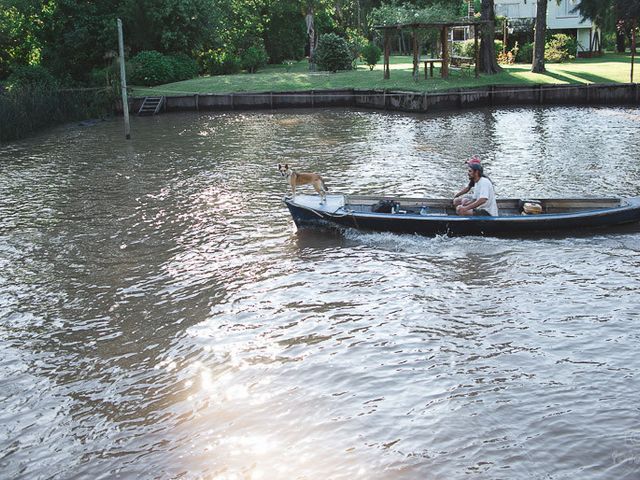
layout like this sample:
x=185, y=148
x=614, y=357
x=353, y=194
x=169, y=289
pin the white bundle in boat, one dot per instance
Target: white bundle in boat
x=531, y=207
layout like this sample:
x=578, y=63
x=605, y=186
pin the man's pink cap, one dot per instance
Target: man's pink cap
x=475, y=160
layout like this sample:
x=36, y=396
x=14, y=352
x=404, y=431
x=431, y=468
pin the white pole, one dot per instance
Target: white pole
x=123, y=83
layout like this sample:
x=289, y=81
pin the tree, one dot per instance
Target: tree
x=602, y=13
x=488, y=61
x=311, y=32
x=77, y=35
x=537, y=65
x=285, y=31
x=20, y=22
x=618, y=14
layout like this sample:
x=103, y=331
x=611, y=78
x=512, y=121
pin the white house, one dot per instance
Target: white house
x=559, y=17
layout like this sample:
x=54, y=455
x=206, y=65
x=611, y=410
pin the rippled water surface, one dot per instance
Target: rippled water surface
x=160, y=317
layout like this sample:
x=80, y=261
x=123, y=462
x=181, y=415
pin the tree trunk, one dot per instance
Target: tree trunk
x=311, y=32
x=620, y=42
x=537, y=65
x=633, y=46
x=488, y=61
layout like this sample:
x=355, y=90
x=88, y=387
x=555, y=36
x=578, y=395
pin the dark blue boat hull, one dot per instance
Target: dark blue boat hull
x=459, y=226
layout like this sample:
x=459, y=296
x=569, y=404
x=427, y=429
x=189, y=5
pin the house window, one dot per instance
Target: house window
x=509, y=10
x=566, y=7
x=458, y=34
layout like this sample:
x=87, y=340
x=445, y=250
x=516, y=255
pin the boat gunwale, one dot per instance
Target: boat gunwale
x=624, y=204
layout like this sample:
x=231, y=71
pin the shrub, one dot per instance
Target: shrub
x=464, y=49
x=332, y=53
x=560, y=48
x=371, y=54
x=219, y=62
x=107, y=76
x=356, y=43
x=525, y=53
x=609, y=41
x=509, y=57
x=183, y=66
x=31, y=77
x=150, y=68
x=467, y=48
x=254, y=58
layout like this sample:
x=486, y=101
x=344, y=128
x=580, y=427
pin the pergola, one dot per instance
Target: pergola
x=444, y=27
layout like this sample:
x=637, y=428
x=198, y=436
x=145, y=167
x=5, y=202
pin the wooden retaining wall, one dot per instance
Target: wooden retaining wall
x=494, y=95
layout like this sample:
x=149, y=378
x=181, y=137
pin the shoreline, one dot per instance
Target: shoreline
x=459, y=98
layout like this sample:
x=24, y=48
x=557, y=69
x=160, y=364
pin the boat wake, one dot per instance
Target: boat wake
x=410, y=243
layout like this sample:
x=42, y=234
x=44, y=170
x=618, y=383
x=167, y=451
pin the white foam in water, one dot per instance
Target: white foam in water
x=440, y=244
x=457, y=247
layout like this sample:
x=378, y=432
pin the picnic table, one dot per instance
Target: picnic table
x=430, y=62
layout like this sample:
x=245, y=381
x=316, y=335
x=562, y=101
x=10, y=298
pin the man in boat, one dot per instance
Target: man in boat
x=463, y=195
x=483, y=199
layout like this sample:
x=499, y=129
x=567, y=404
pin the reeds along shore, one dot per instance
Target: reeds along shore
x=27, y=110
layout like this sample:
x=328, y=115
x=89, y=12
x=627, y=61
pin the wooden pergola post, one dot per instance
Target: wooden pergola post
x=415, y=28
x=477, y=50
x=387, y=52
x=444, y=40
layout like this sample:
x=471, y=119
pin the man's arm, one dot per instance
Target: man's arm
x=463, y=191
x=475, y=203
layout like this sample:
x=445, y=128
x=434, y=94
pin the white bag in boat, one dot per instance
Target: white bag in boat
x=531, y=208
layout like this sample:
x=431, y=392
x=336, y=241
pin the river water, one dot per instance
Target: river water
x=161, y=317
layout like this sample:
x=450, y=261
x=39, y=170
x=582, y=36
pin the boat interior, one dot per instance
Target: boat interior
x=506, y=207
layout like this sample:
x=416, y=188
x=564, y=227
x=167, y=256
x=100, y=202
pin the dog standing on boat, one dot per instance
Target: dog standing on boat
x=296, y=179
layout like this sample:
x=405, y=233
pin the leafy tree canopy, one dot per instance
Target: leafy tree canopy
x=422, y=12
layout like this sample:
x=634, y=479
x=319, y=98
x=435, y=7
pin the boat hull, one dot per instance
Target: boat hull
x=308, y=216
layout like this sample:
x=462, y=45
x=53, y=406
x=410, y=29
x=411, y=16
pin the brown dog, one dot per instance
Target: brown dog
x=295, y=179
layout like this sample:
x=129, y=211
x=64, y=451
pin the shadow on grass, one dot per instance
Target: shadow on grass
x=559, y=76
x=609, y=58
x=590, y=77
x=548, y=73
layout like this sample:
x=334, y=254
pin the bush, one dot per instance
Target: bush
x=150, y=68
x=464, y=49
x=254, y=58
x=31, y=77
x=153, y=68
x=560, y=48
x=467, y=48
x=183, y=67
x=356, y=43
x=609, y=41
x=525, y=53
x=219, y=62
x=107, y=76
x=371, y=54
x=332, y=53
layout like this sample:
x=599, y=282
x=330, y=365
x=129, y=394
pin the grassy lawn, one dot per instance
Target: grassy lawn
x=611, y=68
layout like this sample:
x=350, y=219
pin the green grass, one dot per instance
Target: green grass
x=611, y=68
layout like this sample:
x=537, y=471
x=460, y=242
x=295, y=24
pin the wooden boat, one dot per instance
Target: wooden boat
x=425, y=216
